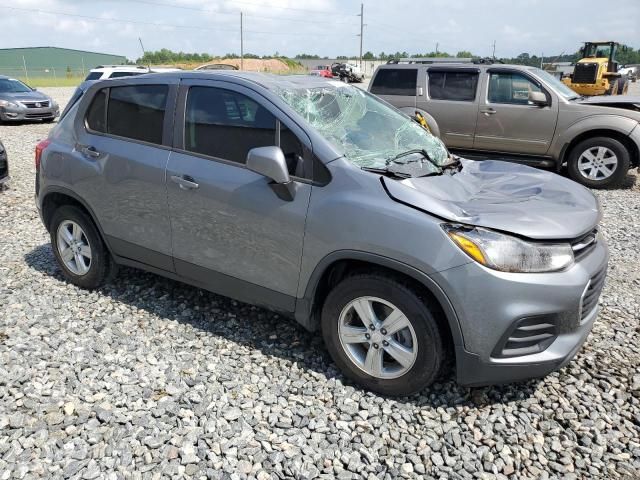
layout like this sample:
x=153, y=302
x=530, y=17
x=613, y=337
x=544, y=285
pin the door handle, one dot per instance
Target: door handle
x=185, y=182
x=489, y=111
x=89, y=151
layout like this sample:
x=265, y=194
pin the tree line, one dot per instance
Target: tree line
x=626, y=55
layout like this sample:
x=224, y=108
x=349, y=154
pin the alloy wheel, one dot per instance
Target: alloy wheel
x=74, y=248
x=377, y=337
x=597, y=163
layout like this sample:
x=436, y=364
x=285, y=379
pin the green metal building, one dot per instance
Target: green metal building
x=38, y=62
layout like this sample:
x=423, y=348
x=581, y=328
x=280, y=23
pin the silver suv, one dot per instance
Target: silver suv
x=316, y=199
x=520, y=114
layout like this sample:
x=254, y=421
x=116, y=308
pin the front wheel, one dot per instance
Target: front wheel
x=599, y=162
x=382, y=334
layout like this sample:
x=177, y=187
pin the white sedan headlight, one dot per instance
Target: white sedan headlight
x=509, y=254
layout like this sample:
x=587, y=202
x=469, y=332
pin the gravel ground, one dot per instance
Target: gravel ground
x=148, y=378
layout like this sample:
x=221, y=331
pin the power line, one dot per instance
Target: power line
x=234, y=13
x=155, y=24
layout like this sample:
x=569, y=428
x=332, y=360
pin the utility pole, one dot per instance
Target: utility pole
x=241, y=45
x=361, y=30
x=494, y=50
x=437, y=45
x=26, y=73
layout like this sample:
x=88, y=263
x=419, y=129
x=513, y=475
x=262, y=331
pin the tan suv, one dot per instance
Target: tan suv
x=520, y=114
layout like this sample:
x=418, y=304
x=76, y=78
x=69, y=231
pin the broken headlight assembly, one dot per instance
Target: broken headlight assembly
x=506, y=253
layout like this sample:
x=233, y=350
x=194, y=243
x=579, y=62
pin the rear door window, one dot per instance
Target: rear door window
x=398, y=81
x=96, y=115
x=137, y=112
x=453, y=85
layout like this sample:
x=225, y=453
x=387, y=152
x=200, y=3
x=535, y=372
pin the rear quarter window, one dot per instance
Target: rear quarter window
x=390, y=81
x=94, y=76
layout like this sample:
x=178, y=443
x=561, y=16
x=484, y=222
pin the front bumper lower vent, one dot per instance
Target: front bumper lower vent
x=592, y=294
x=528, y=336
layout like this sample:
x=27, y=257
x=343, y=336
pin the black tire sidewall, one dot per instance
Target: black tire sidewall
x=99, y=255
x=611, y=143
x=430, y=345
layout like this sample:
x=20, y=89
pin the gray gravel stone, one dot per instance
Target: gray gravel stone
x=147, y=378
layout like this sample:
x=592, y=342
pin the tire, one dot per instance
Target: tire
x=623, y=86
x=613, y=87
x=579, y=160
x=100, y=264
x=423, y=334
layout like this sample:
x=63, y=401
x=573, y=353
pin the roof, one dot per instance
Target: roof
x=468, y=65
x=266, y=80
x=63, y=48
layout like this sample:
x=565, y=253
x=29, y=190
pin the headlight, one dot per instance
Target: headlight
x=7, y=103
x=509, y=254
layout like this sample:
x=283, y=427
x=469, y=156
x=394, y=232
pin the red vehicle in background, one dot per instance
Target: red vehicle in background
x=322, y=71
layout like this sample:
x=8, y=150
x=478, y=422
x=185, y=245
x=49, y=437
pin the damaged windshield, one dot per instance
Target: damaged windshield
x=370, y=133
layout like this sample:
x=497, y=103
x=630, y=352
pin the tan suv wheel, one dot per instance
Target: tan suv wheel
x=599, y=162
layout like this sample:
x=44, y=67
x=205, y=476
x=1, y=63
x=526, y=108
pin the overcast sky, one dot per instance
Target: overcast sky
x=323, y=27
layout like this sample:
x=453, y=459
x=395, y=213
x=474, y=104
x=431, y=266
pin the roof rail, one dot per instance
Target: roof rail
x=432, y=60
x=122, y=66
x=429, y=60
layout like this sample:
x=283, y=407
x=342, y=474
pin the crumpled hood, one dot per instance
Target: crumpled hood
x=503, y=196
x=34, y=96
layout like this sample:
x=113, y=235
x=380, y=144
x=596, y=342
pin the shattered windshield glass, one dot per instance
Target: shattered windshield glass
x=370, y=133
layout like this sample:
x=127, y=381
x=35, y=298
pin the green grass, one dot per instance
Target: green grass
x=38, y=82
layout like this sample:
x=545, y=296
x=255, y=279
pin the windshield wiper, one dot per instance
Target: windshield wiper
x=421, y=151
x=385, y=171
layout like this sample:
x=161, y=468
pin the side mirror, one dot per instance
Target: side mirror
x=538, y=98
x=270, y=162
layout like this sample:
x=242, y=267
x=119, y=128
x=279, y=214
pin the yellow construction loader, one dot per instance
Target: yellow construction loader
x=596, y=73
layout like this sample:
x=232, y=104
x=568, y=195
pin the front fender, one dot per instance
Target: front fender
x=305, y=306
x=616, y=123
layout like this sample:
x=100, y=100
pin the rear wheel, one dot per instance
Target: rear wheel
x=382, y=334
x=599, y=162
x=78, y=248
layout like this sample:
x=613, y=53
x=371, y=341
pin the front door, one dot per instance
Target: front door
x=506, y=120
x=231, y=232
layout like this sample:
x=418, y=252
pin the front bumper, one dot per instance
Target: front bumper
x=21, y=114
x=490, y=305
x=4, y=168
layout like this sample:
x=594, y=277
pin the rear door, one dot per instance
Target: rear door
x=398, y=85
x=231, y=232
x=452, y=100
x=507, y=122
x=123, y=141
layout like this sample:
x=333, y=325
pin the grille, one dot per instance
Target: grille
x=37, y=115
x=585, y=73
x=43, y=104
x=584, y=244
x=592, y=294
x=528, y=336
